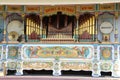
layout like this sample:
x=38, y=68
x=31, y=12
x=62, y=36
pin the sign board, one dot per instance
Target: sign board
x=14, y=8
x=106, y=27
x=70, y=10
x=32, y=8
x=87, y=7
x=107, y=7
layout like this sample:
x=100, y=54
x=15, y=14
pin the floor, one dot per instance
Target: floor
x=55, y=78
x=66, y=75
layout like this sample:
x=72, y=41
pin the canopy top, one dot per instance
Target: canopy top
x=55, y=2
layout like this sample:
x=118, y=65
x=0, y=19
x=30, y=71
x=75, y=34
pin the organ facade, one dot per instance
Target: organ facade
x=60, y=37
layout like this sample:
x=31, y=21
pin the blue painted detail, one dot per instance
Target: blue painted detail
x=1, y=28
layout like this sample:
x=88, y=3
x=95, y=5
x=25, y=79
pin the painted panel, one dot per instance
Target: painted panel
x=32, y=8
x=106, y=52
x=76, y=65
x=107, y=7
x=14, y=8
x=87, y=7
x=70, y=10
x=106, y=66
x=12, y=52
x=38, y=65
x=63, y=51
x=11, y=65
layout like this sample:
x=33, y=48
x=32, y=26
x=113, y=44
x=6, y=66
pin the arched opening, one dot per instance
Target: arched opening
x=86, y=30
x=106, y=27
x=15, y=27
x=32, y=28
x=59, y=26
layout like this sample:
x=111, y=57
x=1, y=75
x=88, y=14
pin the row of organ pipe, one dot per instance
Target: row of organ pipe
x=87, y=24
x=32, y=27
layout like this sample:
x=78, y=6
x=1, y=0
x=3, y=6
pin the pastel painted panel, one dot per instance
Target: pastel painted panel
x=84, y=52
x=12, y=52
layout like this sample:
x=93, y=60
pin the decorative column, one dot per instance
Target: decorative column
x=96, y=26
x=19, y=69
x=116, y=61
x=77, y=28
x=96, y=63
x=4, y=32
x=116, y=27
x=4, y=68
x=23, y=35
x=56, y=67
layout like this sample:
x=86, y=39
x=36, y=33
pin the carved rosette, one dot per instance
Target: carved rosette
x=106, y=66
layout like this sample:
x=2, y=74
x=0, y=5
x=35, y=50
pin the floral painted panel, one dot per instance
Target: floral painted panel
x=12, y=52
x=105, y=53
x=58, y=51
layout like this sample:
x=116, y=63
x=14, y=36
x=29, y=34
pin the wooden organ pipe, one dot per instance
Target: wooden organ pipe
x=57, y=21
x=66, y=19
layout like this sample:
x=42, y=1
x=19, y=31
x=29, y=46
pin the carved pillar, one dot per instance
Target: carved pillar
x=96, y=26
x=4, y=32
x=116, y=27
x=56, y=67
x=95, y=63
x=77, y=28
x=19, y=70
x=4, y=68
